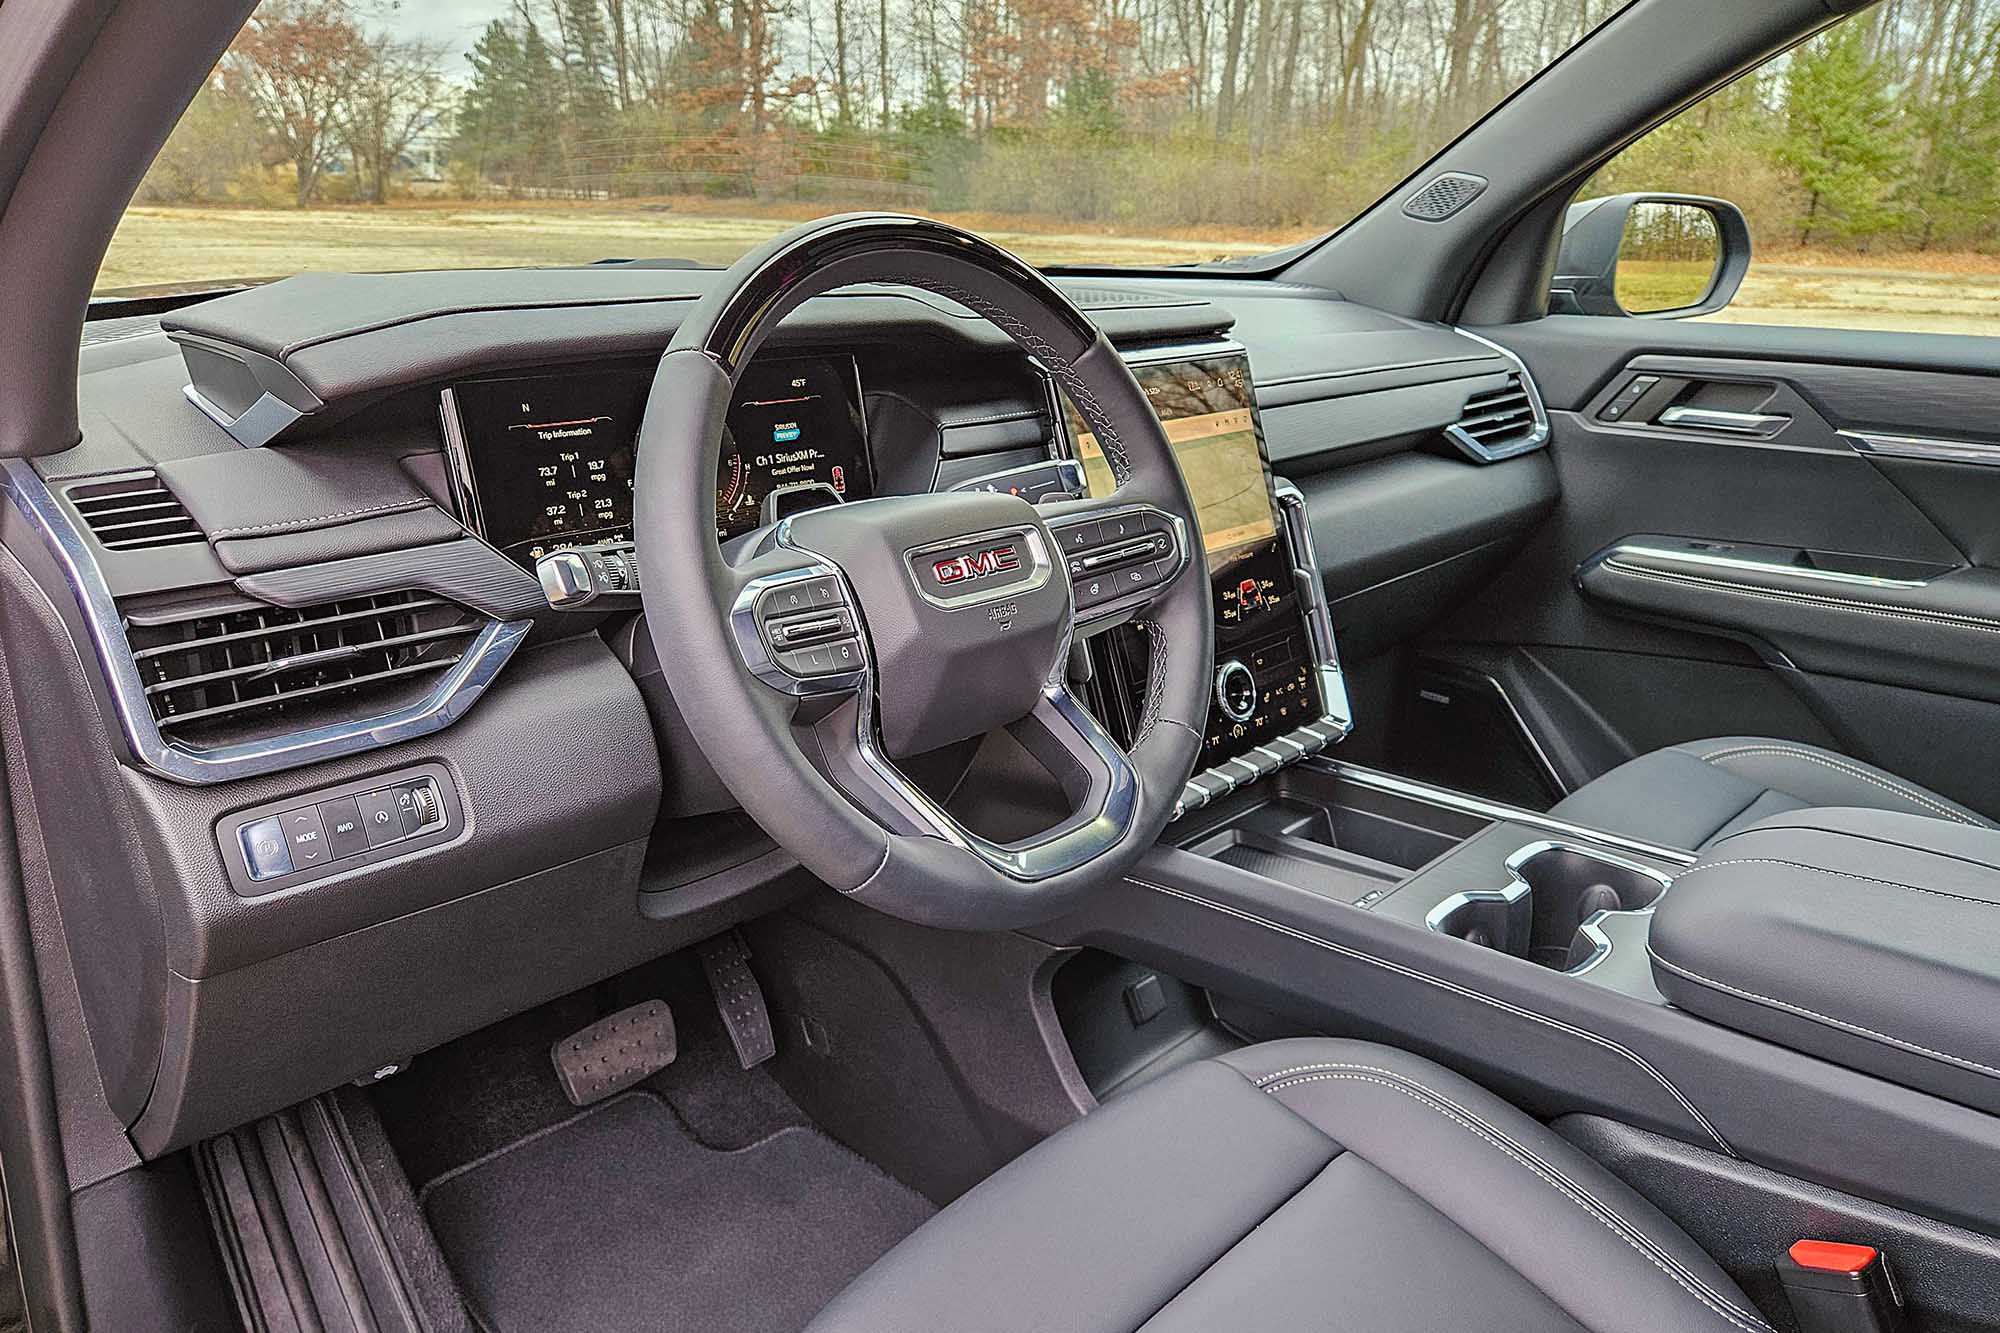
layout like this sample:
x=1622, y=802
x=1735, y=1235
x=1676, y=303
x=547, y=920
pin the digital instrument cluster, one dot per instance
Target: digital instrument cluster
x=545, y=461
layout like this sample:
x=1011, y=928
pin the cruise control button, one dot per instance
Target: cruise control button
x=380, y=818
x=264, y=849
x=342, y=820
x=305, y=837
x=823, y=591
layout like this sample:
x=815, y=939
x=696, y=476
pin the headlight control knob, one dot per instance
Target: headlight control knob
x=1235, y=691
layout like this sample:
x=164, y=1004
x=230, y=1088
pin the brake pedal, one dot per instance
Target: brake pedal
x=614, y=1053
x=726, y=959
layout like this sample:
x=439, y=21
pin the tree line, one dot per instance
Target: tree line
x=1143, y=114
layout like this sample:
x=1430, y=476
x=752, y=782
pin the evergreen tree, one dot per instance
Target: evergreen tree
x=491, y=120
x=1844, y=138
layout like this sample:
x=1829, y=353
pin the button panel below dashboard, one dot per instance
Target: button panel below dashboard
x=296, y=840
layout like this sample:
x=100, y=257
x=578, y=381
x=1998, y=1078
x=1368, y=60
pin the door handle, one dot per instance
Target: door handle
x=1760, y=424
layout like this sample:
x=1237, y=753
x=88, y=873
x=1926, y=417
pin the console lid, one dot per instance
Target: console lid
x=1867, y=938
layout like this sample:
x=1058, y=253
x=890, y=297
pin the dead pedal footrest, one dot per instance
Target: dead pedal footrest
x=726, y=959
x=614, y=1053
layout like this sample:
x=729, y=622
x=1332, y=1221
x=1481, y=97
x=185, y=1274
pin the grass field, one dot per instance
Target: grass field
x=165, y=247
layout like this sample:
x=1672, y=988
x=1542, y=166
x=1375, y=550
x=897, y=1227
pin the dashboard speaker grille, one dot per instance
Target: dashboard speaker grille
x=240, y=665
x=1444, y=195
x=133, y=513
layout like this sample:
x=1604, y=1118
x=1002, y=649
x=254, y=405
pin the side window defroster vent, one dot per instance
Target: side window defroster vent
x=1499, y=422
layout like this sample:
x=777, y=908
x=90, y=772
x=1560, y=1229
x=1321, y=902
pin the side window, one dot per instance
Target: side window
x=1853, y=183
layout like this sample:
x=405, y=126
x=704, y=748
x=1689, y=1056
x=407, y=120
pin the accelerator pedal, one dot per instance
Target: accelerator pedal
x=614, y=1053
x=726, y=959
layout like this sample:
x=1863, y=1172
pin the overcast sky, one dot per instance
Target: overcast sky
x=456, y=23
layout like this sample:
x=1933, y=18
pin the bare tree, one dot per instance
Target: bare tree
x=396, y=92
x=294, y=63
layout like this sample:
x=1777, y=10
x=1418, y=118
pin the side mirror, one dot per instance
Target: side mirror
x=1657, y=256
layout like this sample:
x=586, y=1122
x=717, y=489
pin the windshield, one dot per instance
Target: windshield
x=344, y=135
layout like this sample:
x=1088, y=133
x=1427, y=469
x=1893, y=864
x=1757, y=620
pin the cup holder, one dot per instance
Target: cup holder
x=1550, y=912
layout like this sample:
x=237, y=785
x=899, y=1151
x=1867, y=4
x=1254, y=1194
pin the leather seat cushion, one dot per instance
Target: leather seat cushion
x=1691, y=795
x=1296, y=1185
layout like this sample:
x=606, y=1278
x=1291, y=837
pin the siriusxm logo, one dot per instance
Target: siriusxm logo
x=785, y=432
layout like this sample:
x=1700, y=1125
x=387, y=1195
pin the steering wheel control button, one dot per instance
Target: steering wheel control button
x=380, y=818
x=1075, y=537
x=305, y=836
x=812, y=627
x=265, y=853
x=1235, y=691
x=342, y=821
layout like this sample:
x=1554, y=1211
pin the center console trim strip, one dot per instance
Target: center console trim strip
x=448, y=701
x=1415, y=974
x=1498, y=811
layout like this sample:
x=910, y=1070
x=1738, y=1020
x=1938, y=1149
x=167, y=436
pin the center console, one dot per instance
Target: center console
x=1278, y=692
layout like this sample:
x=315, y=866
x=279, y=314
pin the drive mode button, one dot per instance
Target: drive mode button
x=306, y=837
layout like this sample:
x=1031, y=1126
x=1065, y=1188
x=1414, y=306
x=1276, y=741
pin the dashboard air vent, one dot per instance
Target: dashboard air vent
x=224, y=669
x=1499, y=422
x=134, y=513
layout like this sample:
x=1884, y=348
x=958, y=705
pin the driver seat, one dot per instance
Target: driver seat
x=1297, y=1185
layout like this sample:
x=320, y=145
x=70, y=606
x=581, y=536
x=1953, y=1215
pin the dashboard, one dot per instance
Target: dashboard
x=326, y=630
x=544, y=463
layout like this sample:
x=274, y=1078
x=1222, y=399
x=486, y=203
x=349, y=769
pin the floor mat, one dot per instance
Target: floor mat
x=617, y=1220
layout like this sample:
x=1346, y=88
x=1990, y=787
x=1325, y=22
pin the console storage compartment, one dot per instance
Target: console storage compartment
x=1315, y=830
x=1862, y=937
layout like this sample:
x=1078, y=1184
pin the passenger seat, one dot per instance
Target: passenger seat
x=1690, y=795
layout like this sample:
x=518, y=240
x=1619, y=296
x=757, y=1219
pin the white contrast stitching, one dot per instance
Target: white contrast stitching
x=1841, y=1023
x=1584, y=1034
x=1903, y=790
x=1842, y=874
x=1586, y=1202
x=1948, y=618
x=295, y=523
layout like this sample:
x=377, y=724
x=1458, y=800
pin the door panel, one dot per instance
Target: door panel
x=1860, y=589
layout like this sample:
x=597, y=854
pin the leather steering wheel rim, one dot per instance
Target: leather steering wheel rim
x=751, y=733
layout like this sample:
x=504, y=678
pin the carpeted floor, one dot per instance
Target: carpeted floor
x=617, y=1219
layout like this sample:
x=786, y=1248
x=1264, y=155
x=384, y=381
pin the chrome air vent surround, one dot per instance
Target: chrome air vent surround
x=1503, y=420
x=132, y=513
x=437, y=697
x=252, y=669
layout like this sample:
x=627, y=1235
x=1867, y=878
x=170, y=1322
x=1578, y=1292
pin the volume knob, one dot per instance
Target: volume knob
x=1235, y=691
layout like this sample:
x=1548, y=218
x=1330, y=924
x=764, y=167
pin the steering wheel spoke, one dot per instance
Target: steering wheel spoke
x=1119, y=556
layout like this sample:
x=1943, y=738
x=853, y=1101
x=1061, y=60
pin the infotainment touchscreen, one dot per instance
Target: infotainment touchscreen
x=1209, y=413
x=548, y=458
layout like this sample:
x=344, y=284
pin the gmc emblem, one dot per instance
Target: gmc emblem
x=977, y=564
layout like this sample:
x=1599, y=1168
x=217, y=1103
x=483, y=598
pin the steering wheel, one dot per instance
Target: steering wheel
x=818, y=656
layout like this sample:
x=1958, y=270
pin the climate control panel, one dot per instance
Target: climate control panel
x=280, y=844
